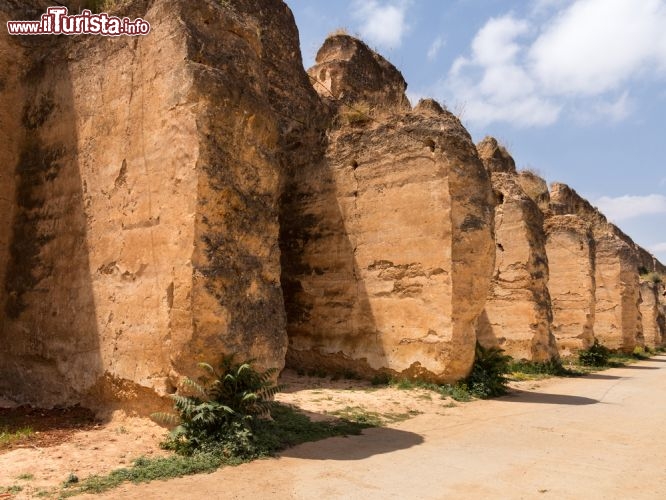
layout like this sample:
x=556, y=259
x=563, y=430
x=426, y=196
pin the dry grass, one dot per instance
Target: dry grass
x=358, y=113
x=341, y=31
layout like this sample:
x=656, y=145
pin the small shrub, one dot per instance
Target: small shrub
x=640, y=353
x=380, y=379
x=458, y=392
x=596, y=355
x=489, y=373
x=72, y=479
x=223, y=410
x=358, y=114
x=654, y=278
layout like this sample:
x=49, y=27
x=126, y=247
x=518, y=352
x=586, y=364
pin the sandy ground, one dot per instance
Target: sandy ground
x=595, y=437
x=105, y=447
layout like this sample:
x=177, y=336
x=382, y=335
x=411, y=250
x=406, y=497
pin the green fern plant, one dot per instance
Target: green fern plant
x=489, y=373
x=219, y=411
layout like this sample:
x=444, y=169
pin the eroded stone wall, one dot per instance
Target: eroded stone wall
x=149, y=171
x=390, y=237
x=652, y=315
x=172, y=198
x=571, y=260
x=517, y=316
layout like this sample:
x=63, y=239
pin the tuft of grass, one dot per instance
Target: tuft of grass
x=288, y=428
x=8, y=437
x=144, y=470
x=641, y=353
x=459, y=392
x=653, y=277
x=341, y=31
x=360, y=415
x=530, y=370
x=357, y=114
x=26, y=477
x=12, y=490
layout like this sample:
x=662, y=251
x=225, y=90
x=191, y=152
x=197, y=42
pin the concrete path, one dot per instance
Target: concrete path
x=597, y=437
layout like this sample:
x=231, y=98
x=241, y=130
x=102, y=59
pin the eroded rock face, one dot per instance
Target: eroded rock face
x=571, y=253
x=617, y=261
x=11, y=138
x=348, y=70
x=536, y=188
x=517, y=316
x=145, y=236
x=495, y=157
x=617, y=317
x=652, y=314
x=389, y=243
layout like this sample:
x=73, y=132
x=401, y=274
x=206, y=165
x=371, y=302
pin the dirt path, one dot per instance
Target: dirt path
x=601, y=436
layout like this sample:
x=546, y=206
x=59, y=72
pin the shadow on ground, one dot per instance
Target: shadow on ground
x=374, y=441
x=549, y=399
x=600, y=376
x=640, y=367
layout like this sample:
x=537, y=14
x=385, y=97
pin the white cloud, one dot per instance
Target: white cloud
x=435, y=47
x=610, y=111
x=495, y=44
x=567, y=57
x=627, y=207
x=595, y=45
x=504, y=90
x=540, y=7
x=381, y=24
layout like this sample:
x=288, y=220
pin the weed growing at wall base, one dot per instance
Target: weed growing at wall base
x=222, y=422
x=287, y=428
x=489, y=373
x=597, y=355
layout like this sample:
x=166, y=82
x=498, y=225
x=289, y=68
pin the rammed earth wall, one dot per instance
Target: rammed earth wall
x=170, y=198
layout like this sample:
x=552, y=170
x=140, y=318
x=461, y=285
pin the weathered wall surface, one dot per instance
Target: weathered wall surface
x=376, y=82
x=390, y=242
x=617, y=263
x=652, y=314
x=155, y=165
x=49, y=338
x=571, y=253
x=617, y=316
x=11, y=138
x=170, y=198
x=517, y=316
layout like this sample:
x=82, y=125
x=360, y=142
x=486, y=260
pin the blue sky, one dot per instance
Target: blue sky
x=574, y=88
